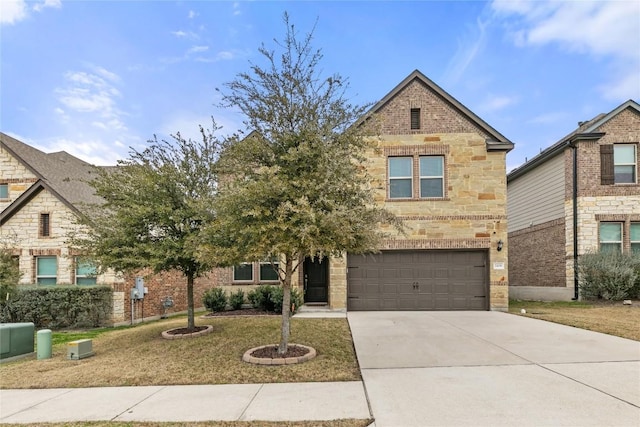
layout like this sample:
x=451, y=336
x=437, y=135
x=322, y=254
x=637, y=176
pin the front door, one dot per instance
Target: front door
x=315, y=280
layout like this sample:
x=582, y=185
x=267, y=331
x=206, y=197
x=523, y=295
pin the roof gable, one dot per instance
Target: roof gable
x=585, y=130
x=438, y=99
x=61, y=173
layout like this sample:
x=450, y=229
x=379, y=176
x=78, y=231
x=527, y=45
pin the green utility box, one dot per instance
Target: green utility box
x=16, y=339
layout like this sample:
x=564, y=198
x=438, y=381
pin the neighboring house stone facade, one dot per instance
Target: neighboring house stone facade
x=442, y=170
x=40, y=197
x=542, y=201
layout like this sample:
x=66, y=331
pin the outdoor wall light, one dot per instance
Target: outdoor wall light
x=500, y=244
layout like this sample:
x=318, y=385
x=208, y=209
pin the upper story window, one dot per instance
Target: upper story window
x=610, y=236
x=46, y=270
x=243, y=272
x=400, y=177
x=634, y=233
x=85, y=272
x=431, y=176
x=624, y=163
x=45, y=225
x=415, y=118
x=4, y=191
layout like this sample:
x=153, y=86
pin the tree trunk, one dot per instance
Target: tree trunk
x=191, y=323
x=286, y=306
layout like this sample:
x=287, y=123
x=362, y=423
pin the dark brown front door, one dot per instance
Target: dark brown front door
x=315, y=280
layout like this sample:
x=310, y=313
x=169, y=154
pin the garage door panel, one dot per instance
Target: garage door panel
x=418, y=280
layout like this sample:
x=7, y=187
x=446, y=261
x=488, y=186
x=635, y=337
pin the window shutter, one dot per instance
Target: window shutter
x=607, y=176
x=45, y=230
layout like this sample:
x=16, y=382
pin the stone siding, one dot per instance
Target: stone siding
x=16, y=175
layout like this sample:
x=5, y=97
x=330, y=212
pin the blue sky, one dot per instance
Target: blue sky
x=94, y=78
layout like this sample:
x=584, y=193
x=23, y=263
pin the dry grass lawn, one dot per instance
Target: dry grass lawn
x=139, y=356
x=611, y=318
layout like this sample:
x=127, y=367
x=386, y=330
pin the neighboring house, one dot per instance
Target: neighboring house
x=40, y=197
x=581, y=194
x=442, y=170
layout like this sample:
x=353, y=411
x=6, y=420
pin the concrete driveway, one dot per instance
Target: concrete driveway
x=493, y=369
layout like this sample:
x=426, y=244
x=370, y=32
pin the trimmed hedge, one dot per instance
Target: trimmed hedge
x=58, y=307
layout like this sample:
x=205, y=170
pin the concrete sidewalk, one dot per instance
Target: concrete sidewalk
x=247, y=402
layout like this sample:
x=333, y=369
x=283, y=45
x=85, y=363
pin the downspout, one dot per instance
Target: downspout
x=573, y=145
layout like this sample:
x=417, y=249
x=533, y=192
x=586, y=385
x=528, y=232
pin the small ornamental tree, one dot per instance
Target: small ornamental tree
x=297, y=186
x=9, y=272
x=153, y=211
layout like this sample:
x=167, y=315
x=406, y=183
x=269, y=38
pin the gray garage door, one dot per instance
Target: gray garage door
x=418, y=280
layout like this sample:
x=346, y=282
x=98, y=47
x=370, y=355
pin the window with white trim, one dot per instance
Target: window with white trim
x=243, y=272
x=431, y=176
x=624, y=163
x=400, y=177
x=634, y=234
x=46, y=270
x=610, y=236
x=86, y=272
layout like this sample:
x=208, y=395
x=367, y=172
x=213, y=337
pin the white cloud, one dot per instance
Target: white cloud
x=604, y=29
x=38, y=7
x=550, y=118
x=179, y=33
x=495, y=103
x=196, y=49
x=192, y=14
x=12, y=11
x=469, y=46
x=236, y=8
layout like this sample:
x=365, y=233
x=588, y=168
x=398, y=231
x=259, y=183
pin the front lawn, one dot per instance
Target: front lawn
x=611, y=318
x=138, y=356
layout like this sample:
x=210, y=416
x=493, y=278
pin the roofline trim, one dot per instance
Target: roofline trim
x=29, y=194
x=416, y=74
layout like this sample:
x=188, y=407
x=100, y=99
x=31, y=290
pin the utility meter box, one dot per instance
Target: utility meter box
x=79, y=349
x=138, y=290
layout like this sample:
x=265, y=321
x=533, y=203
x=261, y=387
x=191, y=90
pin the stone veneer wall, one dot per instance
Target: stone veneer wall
x=472, y=215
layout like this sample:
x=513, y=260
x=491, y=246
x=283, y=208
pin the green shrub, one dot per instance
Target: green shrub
x=260, y=298
x=269, y=298
x=59, y=307
x=236, y=299
x=215, y=300
x=609, y=275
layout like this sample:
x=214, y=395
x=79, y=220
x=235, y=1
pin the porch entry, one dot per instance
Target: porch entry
x=316, y=275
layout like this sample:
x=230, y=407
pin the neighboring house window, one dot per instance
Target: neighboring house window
x=624, y=163
x=46, y=270
x=611, y=236
x=85, y=272
x=45, y=225
x=268, y=271
x=431, y=176
x=415, y=118
x=243, y=272
x=4, y=191
x=400, y=177
x=635, y=237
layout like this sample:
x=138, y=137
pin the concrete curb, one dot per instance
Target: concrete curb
x=247, y=357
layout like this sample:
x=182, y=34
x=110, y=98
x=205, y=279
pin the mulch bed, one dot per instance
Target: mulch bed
x=272, y=352
x=242, y=312
x=181, y=331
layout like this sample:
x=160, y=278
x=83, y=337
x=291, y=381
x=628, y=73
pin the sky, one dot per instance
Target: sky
x=97, y=78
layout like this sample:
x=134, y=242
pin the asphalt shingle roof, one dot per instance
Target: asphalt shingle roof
x=63, y=173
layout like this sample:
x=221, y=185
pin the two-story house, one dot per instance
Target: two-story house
x=41, y=195
x=581, y=194
x=442, y=170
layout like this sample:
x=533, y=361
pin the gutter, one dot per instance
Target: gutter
x=573, y=144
